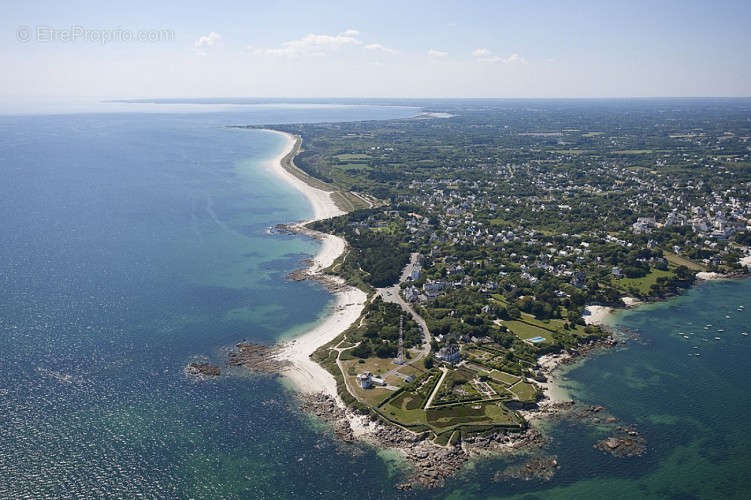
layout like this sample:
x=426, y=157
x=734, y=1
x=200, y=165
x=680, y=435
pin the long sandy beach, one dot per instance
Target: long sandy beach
x=305, y=374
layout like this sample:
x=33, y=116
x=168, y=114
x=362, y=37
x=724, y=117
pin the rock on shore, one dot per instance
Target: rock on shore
x=541, y=467
x=627, y=442
x=257, y=358
x=430, y=464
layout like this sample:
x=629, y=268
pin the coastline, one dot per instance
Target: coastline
x=429, y=462
x=303, y=373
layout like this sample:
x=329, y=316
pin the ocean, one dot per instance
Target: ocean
x=135, y=242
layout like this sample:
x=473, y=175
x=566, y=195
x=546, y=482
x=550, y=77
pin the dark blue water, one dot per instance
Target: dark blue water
x=133, y=242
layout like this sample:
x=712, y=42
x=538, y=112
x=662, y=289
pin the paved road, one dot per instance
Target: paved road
x=391, y=294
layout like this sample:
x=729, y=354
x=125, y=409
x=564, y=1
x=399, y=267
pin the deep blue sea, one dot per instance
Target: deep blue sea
x=132, y=242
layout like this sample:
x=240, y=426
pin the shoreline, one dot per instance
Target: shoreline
x=305, y=375
x=430, y=463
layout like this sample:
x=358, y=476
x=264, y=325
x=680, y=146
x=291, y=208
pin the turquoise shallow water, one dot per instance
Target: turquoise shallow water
x=132, y=242
x=693, y=410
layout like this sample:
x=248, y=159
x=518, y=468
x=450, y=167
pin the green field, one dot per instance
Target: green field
x=524, y=391
x=642, y=285
x=352, y=157
x=677, y=260
x=634, y=151
x=472, y=414
x=404, y=416
x=504, y=378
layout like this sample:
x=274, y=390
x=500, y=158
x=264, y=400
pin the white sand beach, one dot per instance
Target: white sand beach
x=305, y=374
x=597, y=315
x=550, y=364
x=632, y=301
x=709, y=276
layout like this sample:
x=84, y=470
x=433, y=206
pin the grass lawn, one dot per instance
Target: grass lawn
x=504, y=378
x=526, y=331
x=402, y=410
x=348, y=201
x=642, y=284
x=500, y=299
x=569, y=151
x=634, y=151
x=451, y=417
x=524, y=391
x=374, y=365
x=372, y=397
x=352, y=157
x=677, y=260
x=352, y=166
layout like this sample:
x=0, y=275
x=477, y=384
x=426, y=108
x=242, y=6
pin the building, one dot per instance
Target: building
x=411, y=294
x=368, y=380
x=416, y=273
x=365, y=380
x=449, y=354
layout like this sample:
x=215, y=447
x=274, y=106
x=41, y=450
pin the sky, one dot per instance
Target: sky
x=412, y=49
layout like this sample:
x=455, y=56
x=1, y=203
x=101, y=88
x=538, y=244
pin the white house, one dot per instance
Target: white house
x=365, y=380
x=449, y=354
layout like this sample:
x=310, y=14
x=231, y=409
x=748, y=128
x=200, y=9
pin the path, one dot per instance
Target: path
x=437, y=386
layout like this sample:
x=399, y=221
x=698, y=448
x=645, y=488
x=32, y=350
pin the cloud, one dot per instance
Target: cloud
x=515, y=58
x=378, y=46
x=313, y=45
x=437, y=54
x=486, y=56
x=208, y=40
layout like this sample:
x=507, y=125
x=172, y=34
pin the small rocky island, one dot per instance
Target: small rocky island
x=202, y=369
x=627, y=442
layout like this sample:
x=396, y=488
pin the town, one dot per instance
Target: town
x=482, y=237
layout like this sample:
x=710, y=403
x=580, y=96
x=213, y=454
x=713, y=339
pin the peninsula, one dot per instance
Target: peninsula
x=472, y=251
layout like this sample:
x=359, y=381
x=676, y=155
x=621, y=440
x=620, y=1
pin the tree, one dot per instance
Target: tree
x=364, y=350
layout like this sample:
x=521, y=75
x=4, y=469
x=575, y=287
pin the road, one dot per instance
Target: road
x=392, y=294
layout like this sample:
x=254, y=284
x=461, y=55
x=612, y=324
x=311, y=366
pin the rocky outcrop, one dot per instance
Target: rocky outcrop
x=257, y=358
x=325, y=407
x=430, y=464
x=627, y=442
x=541, y=467
x=202, y=369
